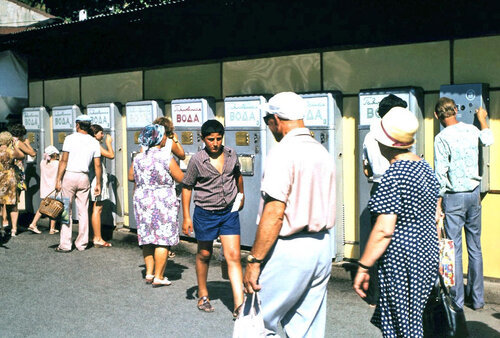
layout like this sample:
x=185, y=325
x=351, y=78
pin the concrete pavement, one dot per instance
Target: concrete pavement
x=100, y=292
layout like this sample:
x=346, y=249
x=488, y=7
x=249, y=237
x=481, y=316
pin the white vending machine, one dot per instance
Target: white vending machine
x=138, y=115
x=324, y=120
x=246, y=134
x=36, y=120
x=109, y=117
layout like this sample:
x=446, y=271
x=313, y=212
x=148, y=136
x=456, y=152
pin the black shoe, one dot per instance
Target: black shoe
x=58, y=249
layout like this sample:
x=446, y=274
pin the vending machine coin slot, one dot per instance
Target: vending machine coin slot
x=242, y=138
x=61, y=137
x=187, y=137
x=31, y=137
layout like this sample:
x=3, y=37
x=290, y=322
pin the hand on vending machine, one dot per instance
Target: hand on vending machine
x=109, y=140
x=482, y=114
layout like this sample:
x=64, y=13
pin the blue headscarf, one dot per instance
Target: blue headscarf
x=151, y=135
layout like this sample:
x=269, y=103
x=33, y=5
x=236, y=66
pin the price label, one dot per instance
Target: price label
x=317, y=111
x=139, y=116
x=31, y=120
x=187, y=114
x=242, y=113
x=368, y=106
x=62, y=119
x=100, y=116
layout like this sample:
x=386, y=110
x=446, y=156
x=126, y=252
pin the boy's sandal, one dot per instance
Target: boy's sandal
x=205, y=306
x=53, y=232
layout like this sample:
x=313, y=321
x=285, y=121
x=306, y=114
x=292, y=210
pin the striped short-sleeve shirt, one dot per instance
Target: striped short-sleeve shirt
x=213, y=190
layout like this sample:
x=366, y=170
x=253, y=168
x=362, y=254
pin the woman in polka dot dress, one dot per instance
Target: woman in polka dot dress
x=404, y=236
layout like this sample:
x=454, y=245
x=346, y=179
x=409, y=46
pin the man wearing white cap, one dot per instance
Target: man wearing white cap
x=73, y=178
x=290, y=262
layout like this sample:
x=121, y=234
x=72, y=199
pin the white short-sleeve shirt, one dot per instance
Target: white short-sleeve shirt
x=301, y=173
x=82, y=149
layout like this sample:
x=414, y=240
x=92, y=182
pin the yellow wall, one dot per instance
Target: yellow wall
x=425, y=65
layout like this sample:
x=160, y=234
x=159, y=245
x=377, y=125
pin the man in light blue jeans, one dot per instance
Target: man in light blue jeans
x=457, y=170
x=290, y=261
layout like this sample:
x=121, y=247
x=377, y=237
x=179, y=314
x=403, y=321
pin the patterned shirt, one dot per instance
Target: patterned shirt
x=456, y=161
x=213, y=190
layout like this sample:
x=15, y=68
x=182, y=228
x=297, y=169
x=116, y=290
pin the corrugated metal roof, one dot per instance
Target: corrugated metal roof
x=100, y=16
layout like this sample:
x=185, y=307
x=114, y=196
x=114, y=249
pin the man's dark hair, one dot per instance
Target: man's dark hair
x=18, y=130
x=390, y=102
x=212, y=126
x=84, y=125
x=95, y=128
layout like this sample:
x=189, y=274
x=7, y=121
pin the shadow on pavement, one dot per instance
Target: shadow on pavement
x=478, y=329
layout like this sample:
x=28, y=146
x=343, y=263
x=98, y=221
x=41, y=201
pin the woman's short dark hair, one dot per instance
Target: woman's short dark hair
x=95, y=128
x=212, y=126
x=18, y=130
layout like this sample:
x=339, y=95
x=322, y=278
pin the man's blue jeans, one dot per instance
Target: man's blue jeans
x=463, y=210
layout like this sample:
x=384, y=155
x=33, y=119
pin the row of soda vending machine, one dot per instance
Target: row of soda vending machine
x=245, y=132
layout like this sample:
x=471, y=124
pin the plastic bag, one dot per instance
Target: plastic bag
x=250, y=322
x=64, y=217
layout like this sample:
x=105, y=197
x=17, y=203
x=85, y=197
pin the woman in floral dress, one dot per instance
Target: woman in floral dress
x=155, y=202
x=9, y=153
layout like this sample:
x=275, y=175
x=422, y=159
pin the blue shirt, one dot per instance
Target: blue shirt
x=456, y=157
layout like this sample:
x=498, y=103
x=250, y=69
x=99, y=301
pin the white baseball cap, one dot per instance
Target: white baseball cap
x=51, y=150
x=83, y=118
x=287, y=105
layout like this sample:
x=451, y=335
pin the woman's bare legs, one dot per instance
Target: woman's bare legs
x=96, y=224
x=231, y=247
x=160, y=260
x=33, y=227
x=14, y=214
x=53, y=227
x=149, y=260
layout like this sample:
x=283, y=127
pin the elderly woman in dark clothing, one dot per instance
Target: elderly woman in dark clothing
x=9, y=154
x=404, y=236
x=155, y=202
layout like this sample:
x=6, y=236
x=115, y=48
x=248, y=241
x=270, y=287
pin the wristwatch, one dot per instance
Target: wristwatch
x=252, y=259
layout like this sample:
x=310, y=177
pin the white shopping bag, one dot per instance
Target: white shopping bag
x=250, y=323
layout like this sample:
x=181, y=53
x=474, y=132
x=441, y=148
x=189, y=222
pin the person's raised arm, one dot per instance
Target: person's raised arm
x=18, y=154
x=380, y=237
x=131, y=172
x=267, y=233
x=26, y=148
x=176, y=172
x=177, y=149
x=108, y=152
x=63, y=163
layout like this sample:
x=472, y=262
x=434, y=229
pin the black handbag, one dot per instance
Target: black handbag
x=442, y=316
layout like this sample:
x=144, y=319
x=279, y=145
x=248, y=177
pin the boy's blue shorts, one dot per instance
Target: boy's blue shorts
x=208, y=225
